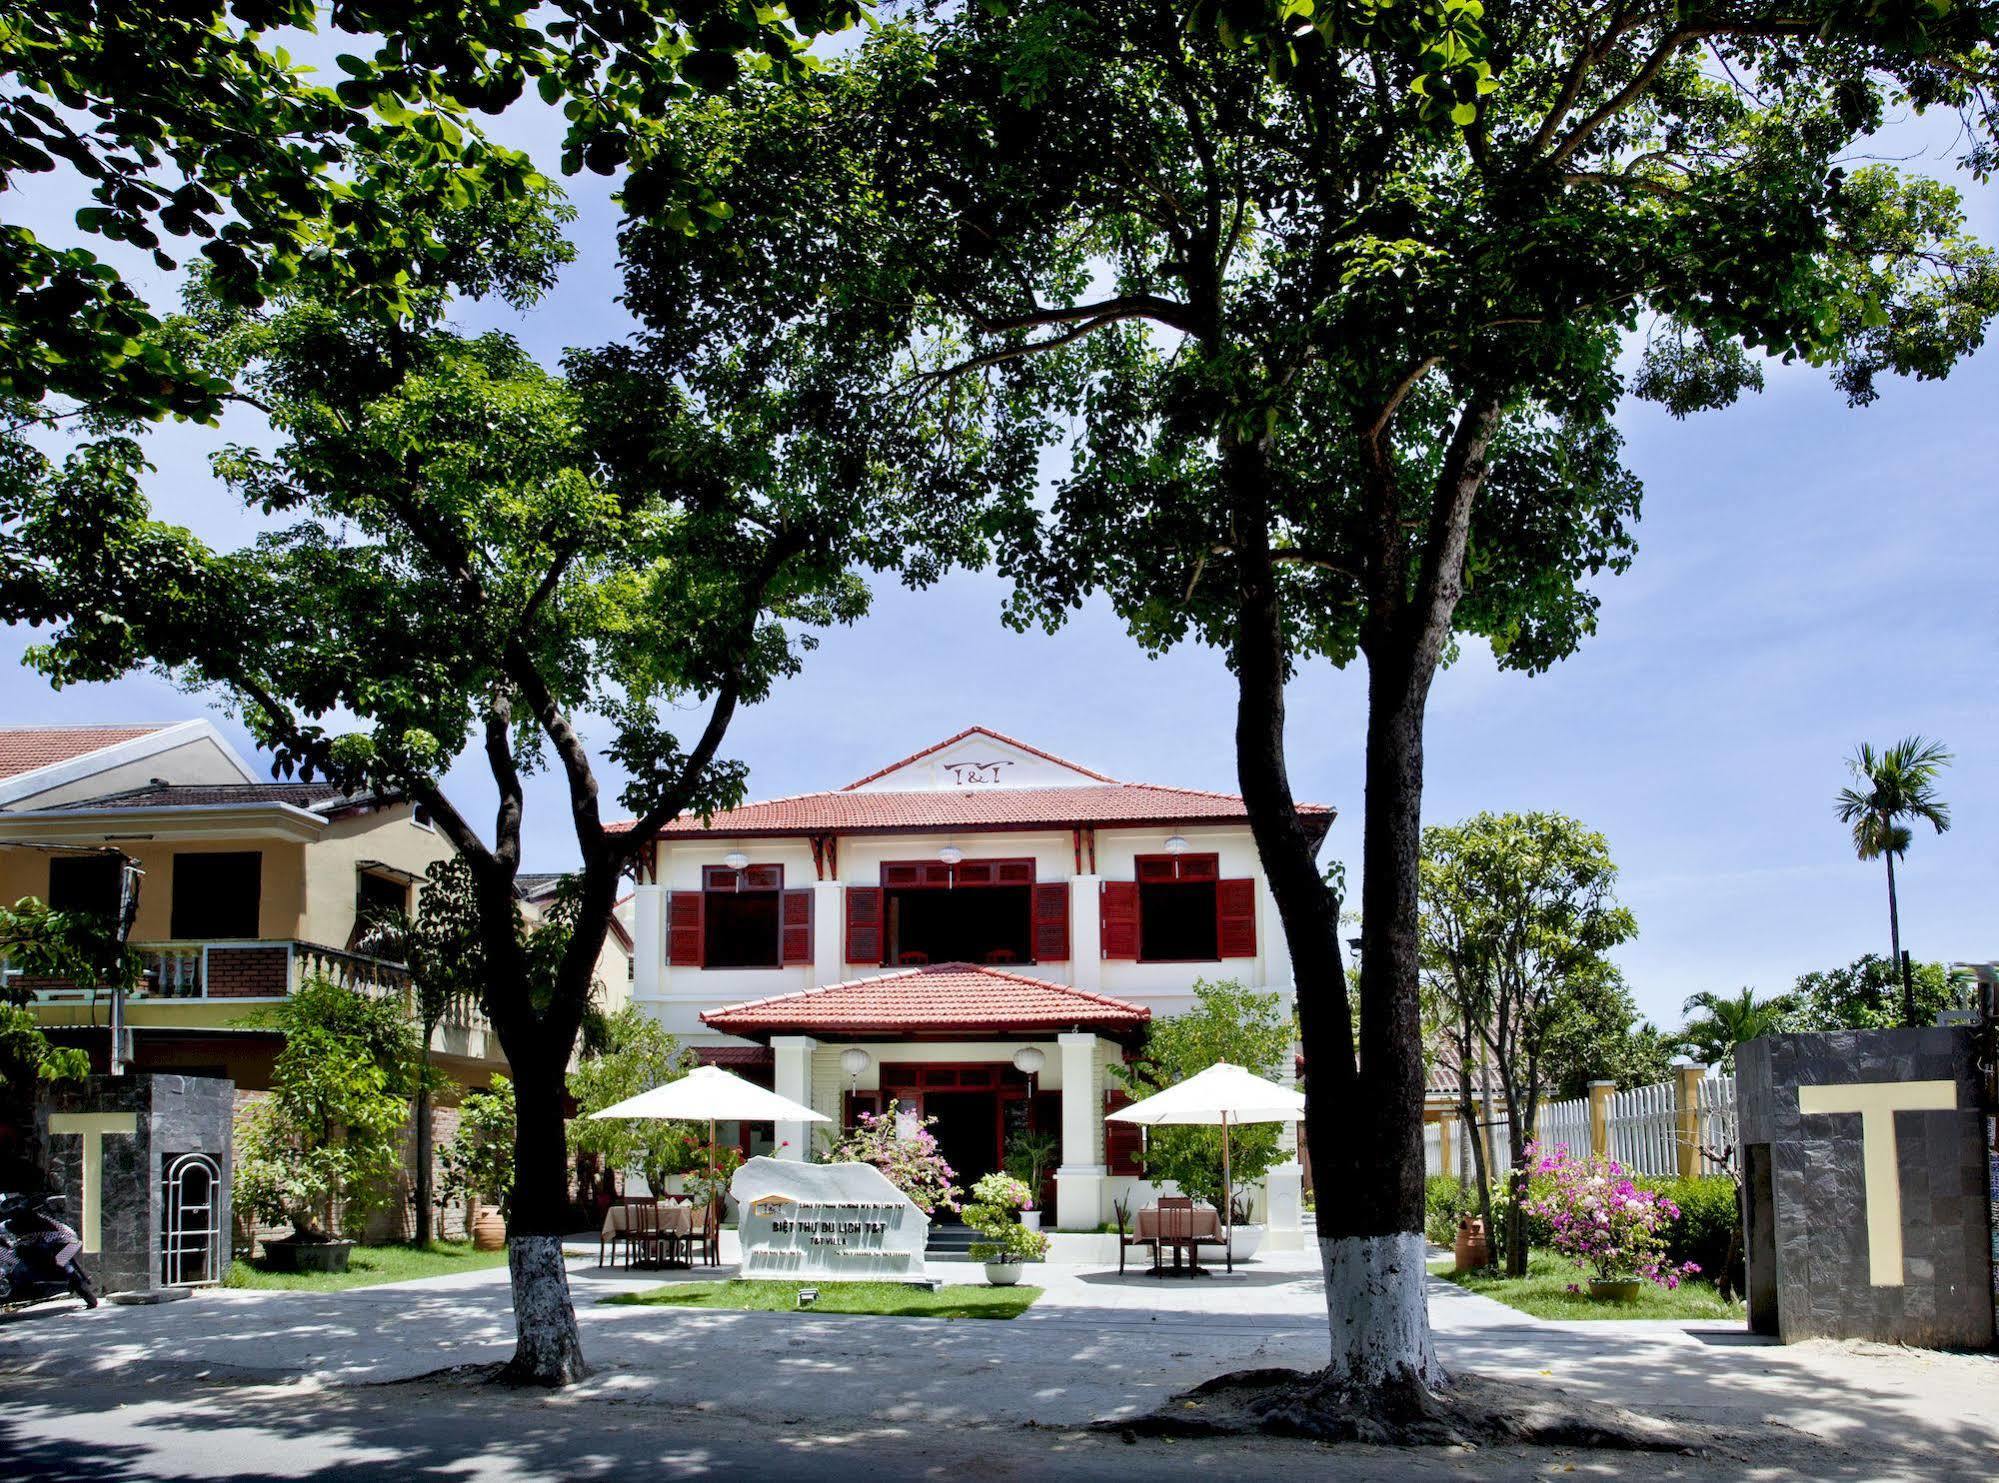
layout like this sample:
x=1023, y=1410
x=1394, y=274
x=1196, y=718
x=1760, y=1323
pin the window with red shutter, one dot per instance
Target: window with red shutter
x=1124, y=1143
x=683, y=929
x=797, y=927
x=1235, y=918
x=1117, y=918
x=1051, y=922
x=864, y=924
x=1179, y=920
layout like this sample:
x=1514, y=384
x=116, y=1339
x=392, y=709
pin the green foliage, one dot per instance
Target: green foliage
x=1556, y=1287
x=38, y=942
x=639, y=1056
x=1030, y=1154
x=1866, y=994
x=195, y=122
x=478, y=1160
x=1227, y=1023
x=1727, y=1020
x=1708, y=1229
x=1445, y=1202
x=906, y=1154
x=888, y=1299
x=330, y=1132
x=1893, y=789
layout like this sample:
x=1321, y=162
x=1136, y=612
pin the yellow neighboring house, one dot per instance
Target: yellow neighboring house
x=249, y=888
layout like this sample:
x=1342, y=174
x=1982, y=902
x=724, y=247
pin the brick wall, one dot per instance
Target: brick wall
x=248, y=972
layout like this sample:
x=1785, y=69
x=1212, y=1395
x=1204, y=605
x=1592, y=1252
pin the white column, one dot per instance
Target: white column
x=1080, y=1179
x=648, y=940
x=1270, y=939
x=829, y=932
x=1086, y=958
x=793, y=1078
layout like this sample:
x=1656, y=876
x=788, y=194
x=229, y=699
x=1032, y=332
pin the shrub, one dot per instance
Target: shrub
x=1444, y=1201
x=994, y=1212
x=1707, y=1229
x=478, y=1162
x=1602, y=1219
x=912, y=1164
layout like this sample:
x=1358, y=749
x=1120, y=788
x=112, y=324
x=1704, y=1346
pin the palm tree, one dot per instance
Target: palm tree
x=1894, y=790
x=1728, y=1020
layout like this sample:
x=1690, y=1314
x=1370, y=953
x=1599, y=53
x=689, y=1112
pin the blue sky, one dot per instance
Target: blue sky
x=1808, y=576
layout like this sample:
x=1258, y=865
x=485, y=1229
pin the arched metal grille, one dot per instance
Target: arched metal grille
x=191, y=1234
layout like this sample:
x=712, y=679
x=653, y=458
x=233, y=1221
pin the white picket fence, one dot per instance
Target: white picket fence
x=1565, y=1124
x=1718, y=1127
x=1642, y=1130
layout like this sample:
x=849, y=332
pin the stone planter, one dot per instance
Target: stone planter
x=1248, y=1240
x=1002, y=1274
x=489, y=1229
x=1615, y=1289
x=307, y=1256
x=1031, y=1219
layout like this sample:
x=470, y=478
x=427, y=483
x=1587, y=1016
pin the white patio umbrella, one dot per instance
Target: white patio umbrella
x=718, y=1096
x=1220, y=1096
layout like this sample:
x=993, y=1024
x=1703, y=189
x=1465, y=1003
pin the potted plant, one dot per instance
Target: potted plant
x=325, y=1145
x=1601, y=1219
x=994, y=1212
x=1029, y=1155
x=477, y=1164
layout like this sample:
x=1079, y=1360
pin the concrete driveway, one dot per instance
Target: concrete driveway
x=321, y=1385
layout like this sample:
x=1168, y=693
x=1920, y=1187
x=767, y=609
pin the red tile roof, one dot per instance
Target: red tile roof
x=735, y=1055
x=945, y=997
x=25, y=748
x=998, y=736
x=846, y=812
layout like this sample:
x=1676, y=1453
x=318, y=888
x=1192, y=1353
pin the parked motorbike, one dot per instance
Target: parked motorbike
x=38, y=1251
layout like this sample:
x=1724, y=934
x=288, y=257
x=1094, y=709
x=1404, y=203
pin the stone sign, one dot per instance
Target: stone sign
x=826, y=1220
x=1866, y=1192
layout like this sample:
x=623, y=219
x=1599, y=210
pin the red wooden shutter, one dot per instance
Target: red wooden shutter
x=795, y=931
x=762, y=878
x=683, y=929
x=1157, y=868
x=1118, y=918
x=1124, y=1143
x=864, y=924
x=1235, y=918
x=1051, y=922
x=1200, y=867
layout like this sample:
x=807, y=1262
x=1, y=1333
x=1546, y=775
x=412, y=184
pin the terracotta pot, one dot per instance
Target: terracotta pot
x=1615, y=1289
x=489, y=1229
x=1472, y=1249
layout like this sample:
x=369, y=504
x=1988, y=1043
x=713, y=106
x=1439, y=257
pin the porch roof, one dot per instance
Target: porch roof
x=942, y=998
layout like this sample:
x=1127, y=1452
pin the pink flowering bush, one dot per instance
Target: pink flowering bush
x=1600, y=1218
x=908, y=1159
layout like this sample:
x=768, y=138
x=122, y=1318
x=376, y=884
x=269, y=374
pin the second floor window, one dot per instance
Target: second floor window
x=216, y=894
x=740, y=916
x=1176, y=908
x=87, y=884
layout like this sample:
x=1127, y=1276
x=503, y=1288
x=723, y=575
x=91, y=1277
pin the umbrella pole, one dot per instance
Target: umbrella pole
x=1228, y=1201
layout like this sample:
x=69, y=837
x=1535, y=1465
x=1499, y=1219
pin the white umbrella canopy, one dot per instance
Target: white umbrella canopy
x=1223, y=1094
x=710, y=1094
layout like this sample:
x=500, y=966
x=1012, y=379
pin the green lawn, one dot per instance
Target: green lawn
x=1544, y=1292
x=370, y=1266
x=891, y=1298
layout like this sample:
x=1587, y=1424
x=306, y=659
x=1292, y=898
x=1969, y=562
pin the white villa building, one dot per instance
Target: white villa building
x=975, y=932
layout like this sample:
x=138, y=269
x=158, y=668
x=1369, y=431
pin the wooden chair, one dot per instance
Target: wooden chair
x=1176, y=1229
x=642, y=1233
x=704, y=1235
x=912, y=959
x=1128, y=1236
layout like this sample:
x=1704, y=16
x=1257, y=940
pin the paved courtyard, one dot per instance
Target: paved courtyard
x=327, y=1385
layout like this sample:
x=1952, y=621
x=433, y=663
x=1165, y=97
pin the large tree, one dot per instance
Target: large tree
x=476, y=558
x=1330, y=303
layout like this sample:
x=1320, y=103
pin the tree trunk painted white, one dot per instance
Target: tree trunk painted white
x=1379, y=1313
x=549, y=1351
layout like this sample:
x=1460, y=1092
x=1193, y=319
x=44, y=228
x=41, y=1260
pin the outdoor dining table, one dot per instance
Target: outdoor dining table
x=1203, y=1226
x=676, y=1219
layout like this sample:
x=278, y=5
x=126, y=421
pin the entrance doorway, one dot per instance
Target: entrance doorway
x=967, y=1131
